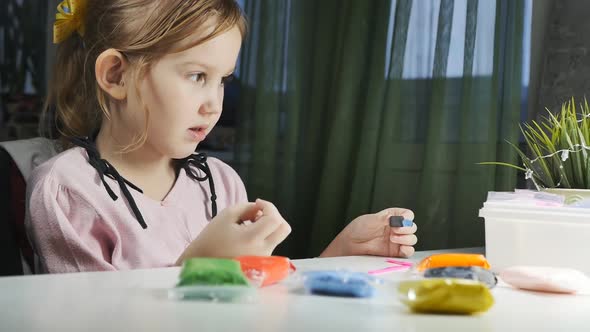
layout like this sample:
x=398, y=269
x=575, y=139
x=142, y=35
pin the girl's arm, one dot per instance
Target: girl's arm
x=66, y=232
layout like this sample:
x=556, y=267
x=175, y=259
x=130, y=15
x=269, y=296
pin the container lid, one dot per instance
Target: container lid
x=514, y=210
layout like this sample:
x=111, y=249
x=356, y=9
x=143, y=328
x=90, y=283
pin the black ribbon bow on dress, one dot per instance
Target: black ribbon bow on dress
x=199, y=160
x=104, y=168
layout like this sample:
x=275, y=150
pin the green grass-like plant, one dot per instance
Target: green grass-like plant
x=557, y=147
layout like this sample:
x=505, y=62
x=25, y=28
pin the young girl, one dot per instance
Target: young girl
x=138, y=84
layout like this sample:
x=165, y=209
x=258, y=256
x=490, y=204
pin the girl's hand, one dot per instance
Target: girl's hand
x=246, y=229
x=370, y=234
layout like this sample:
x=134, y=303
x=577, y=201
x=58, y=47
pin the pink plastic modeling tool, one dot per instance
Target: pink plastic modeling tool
x=402, y=263
x=388, y=270
x=399, y=266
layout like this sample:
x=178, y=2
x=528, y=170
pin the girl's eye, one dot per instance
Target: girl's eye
x=227, y=79
x=197, y=77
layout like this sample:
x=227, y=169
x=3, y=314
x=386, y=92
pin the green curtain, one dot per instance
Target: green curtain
x=329, y=127
x=23, y=27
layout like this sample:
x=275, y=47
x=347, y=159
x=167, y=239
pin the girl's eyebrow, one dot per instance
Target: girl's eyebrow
x=192, y=62
x=195, y=63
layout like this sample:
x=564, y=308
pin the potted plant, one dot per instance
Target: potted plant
x=559, y=154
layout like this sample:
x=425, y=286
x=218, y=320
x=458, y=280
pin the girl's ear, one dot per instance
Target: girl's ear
x=109, y=70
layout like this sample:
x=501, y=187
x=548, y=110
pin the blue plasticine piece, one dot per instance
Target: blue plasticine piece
x=463, y=272
x=339, y=283
x=399, y=221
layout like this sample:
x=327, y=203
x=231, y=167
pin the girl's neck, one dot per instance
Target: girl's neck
x=151, y=171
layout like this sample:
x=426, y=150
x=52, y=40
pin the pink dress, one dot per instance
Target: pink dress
x=74, y=225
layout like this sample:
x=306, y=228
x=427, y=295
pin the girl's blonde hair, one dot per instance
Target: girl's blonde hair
x=143, y=31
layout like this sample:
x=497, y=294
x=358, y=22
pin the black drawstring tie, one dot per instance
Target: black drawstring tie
x=199, y=160
x=103, y=167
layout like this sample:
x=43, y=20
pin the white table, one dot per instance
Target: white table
x=137, y=301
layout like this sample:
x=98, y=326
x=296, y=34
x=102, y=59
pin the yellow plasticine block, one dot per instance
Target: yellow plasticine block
x=450, y=296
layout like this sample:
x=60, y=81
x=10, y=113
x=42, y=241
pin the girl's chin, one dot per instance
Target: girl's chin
x=186, y=151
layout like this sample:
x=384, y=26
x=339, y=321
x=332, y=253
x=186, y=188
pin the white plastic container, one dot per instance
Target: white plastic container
x=536, y=235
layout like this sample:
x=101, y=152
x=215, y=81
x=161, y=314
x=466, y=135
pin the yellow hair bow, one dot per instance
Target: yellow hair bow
x=69, y=19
